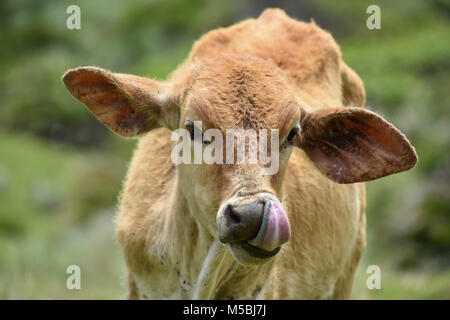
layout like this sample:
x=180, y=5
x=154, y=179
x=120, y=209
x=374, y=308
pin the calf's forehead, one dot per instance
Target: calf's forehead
x=241, y=92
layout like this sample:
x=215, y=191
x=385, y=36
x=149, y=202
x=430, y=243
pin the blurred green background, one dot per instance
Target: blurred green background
x=61, y=170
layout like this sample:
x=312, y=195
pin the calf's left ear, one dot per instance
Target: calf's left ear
x=127, y=104
x=353, y=145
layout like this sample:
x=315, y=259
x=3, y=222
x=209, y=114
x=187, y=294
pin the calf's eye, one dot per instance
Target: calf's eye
x=189, y=125
x=292, y=134
x=194, y=131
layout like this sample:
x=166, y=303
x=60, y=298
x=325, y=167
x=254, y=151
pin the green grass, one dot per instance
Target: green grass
x=404, y=285
x=43, y=222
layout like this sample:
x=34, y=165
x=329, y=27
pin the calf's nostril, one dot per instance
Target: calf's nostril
x=243, y=221
x=234, y=217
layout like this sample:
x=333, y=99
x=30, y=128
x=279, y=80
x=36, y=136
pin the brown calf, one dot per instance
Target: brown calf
x=225, y=231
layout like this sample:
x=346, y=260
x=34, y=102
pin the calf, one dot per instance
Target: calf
x=227, y=231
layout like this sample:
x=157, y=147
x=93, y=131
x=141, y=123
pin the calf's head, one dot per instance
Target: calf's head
x=237, y=199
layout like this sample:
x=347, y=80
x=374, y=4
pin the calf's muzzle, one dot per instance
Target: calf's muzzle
x=260, y=223
x=243, y=221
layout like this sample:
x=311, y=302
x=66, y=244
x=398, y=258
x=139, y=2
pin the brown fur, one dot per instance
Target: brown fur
x=272, y=72
x=163, y=243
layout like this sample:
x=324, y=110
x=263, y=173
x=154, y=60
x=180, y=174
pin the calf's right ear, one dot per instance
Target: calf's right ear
x=127, y=104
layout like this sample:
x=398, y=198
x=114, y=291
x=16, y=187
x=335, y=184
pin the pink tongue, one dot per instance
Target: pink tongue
x=275, y=229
